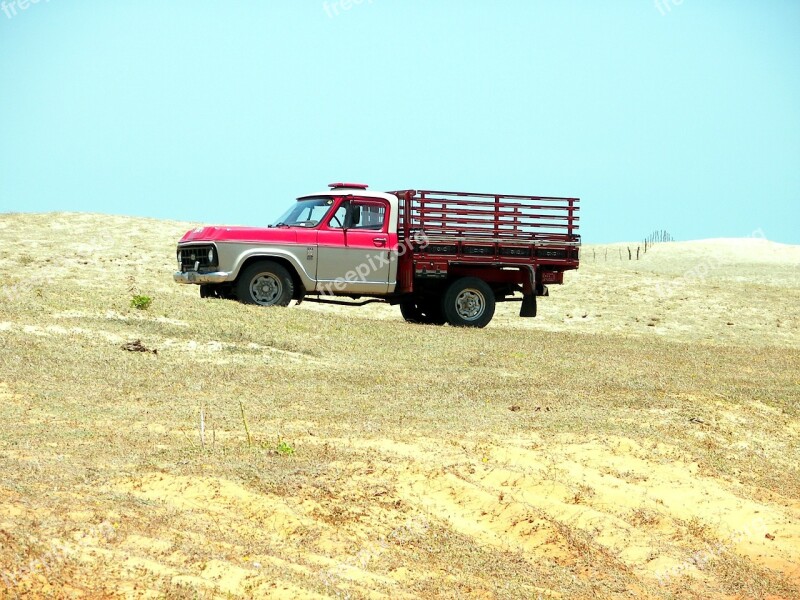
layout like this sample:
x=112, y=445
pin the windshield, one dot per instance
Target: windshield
x=307, y=212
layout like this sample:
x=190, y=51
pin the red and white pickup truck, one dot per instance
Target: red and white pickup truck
x=443, y=257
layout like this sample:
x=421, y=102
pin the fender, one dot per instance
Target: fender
x=308, y=279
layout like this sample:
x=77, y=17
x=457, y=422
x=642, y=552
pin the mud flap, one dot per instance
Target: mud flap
x=528, y=308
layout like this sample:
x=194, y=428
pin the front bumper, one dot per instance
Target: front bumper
x=194, y=277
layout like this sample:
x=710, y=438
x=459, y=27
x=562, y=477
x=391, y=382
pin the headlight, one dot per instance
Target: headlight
x=211, y=255
x=180, y=256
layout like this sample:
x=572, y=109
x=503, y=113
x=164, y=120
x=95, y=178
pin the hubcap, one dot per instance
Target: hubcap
x=470, y=304
x=266, y=288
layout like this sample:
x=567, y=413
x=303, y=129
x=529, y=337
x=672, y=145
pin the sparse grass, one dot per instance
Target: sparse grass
x=641, y=517
x=392, y=422
x=742, y=578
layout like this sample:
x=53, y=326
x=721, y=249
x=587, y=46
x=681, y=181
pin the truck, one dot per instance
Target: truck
x=442, y=257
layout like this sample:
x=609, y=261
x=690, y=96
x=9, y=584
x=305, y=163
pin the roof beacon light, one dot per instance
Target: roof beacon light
x=358, y=186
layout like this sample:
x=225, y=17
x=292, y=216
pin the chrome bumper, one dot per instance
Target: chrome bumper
x=194, y=277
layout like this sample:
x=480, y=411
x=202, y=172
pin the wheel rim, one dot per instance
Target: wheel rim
x=470, y=304
x=266, y=288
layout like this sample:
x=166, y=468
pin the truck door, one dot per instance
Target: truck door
x=354, y=250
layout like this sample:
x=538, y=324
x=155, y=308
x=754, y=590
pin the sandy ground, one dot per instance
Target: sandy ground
x=589, y=513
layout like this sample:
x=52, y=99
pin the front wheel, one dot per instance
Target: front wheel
x=468, y=302
x=265, y=283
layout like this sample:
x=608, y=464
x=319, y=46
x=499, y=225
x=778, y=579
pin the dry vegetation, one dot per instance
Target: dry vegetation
x=625, y=444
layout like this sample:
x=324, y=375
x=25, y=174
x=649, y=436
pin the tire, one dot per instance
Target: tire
x=265, y=283
x=468, y=302
x=425, y=312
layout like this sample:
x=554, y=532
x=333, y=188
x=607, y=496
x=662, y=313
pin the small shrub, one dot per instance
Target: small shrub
x=141, y=302
x=284, y=448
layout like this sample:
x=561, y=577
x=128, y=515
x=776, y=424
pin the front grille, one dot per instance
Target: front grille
x=197, y=255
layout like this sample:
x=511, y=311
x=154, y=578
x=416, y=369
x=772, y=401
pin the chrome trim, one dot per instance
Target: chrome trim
x=470, y=304
x=193, y=277
x=343, y=281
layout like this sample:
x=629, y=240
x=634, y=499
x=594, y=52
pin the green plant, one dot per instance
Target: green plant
x=141, y=302
x=284, y=448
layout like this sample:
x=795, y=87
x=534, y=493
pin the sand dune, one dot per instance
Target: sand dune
x=637, y=439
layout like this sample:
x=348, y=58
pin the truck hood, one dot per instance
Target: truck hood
x=282, y=235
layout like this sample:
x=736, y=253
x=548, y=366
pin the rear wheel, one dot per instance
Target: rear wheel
x=427, y=312
x=265, y=283
x=468, y=302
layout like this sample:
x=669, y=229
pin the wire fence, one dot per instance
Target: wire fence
x=627, y=251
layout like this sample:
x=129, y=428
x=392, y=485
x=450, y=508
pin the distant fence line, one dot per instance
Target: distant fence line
x=659, y=236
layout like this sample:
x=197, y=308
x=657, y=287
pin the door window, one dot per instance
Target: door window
x=368, y=215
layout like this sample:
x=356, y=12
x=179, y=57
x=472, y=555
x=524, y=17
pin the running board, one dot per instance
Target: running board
x=342, y=302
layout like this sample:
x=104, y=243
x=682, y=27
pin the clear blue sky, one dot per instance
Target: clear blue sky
x=684, y=117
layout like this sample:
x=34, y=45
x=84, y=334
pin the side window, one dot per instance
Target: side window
x=368, y=215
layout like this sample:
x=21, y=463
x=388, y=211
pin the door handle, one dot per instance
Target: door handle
x=379, y=241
